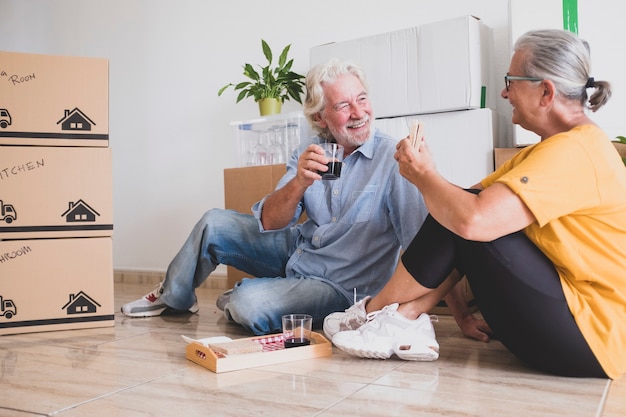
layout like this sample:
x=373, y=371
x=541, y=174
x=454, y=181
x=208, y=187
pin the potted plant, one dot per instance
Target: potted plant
x=272, y=84
x=620, y=144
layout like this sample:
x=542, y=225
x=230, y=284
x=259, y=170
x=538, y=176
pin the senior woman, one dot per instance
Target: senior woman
x=542, y=240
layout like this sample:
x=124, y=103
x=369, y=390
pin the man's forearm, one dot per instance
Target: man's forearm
x=280, y=207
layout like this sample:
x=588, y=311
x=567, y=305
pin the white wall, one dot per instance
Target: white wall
x=169, y=131
x=600, y=22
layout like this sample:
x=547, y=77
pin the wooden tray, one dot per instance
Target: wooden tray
x=275, y=353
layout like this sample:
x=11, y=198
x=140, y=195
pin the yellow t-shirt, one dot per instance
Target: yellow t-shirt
x=575, y=185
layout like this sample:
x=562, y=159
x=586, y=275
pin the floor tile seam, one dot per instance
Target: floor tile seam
x=339, y=400
x=399, y=365
x=111, y=393
x=34, y=413
x=604, y=399
x=101, y=344
x=43, y=343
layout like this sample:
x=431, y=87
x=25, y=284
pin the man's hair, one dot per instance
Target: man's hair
x=563, y=58
x=326, y=73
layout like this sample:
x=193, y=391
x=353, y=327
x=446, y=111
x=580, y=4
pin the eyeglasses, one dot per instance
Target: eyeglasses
x=509, y=78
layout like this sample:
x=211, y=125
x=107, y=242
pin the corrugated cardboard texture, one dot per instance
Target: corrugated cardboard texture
x=245, y=186
x=53, y=100
x=55, y=192
x=242, y=188
x=55, y=284
x=501, y=155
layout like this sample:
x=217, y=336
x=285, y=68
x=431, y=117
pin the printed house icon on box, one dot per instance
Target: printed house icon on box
x=75, y=120
x=80, y=212
x=80, y=303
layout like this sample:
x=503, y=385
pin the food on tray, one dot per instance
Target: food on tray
x=236, y=347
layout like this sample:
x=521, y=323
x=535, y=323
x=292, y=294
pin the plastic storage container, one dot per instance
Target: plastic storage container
x=269, y=140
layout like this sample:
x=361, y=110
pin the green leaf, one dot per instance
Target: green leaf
x=270, y=82
x=248, y=71
x=221, y=90
x=283, y=56
x=241, y=96
x=267, y=51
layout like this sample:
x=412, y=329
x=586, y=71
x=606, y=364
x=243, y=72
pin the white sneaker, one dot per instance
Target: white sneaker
x=388, y=332
x=150, y=305
x=351, y=319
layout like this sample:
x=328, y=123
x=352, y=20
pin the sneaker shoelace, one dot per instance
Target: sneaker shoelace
x=352, y=317
x=386, y=310
x=154, y=295
x=369, y=320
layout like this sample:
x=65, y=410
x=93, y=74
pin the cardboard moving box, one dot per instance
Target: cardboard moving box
x=55, y=284
x=242, y=188
x=53, y=100
x=55, y=192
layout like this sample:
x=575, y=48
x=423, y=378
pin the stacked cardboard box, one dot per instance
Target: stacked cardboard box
x=435, y=67
x=242, y=188
x=55, y=194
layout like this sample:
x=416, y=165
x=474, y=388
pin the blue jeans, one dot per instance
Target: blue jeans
x=231, y=238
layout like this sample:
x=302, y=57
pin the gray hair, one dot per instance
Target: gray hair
x=563, y=58
x=315, y=100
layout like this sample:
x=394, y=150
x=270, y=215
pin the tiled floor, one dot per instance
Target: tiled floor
x=138, y=368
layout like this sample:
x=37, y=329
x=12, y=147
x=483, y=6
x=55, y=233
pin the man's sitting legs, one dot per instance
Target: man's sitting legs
x=258, y=304
x=219, y=237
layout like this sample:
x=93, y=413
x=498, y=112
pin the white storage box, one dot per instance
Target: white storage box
x=269, y=140
x=461, y=142
x=435, y=67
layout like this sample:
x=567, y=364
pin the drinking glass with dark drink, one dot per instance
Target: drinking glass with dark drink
x=297, y=330
x=334, y=153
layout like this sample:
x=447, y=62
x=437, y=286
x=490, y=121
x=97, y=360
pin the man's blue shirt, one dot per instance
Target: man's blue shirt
x=356, y=224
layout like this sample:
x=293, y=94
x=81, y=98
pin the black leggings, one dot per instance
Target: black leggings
x=517, y=290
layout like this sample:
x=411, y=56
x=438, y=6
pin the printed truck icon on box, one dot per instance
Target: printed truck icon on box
x=5, y=118
x=7, y=212
x=7, y=308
